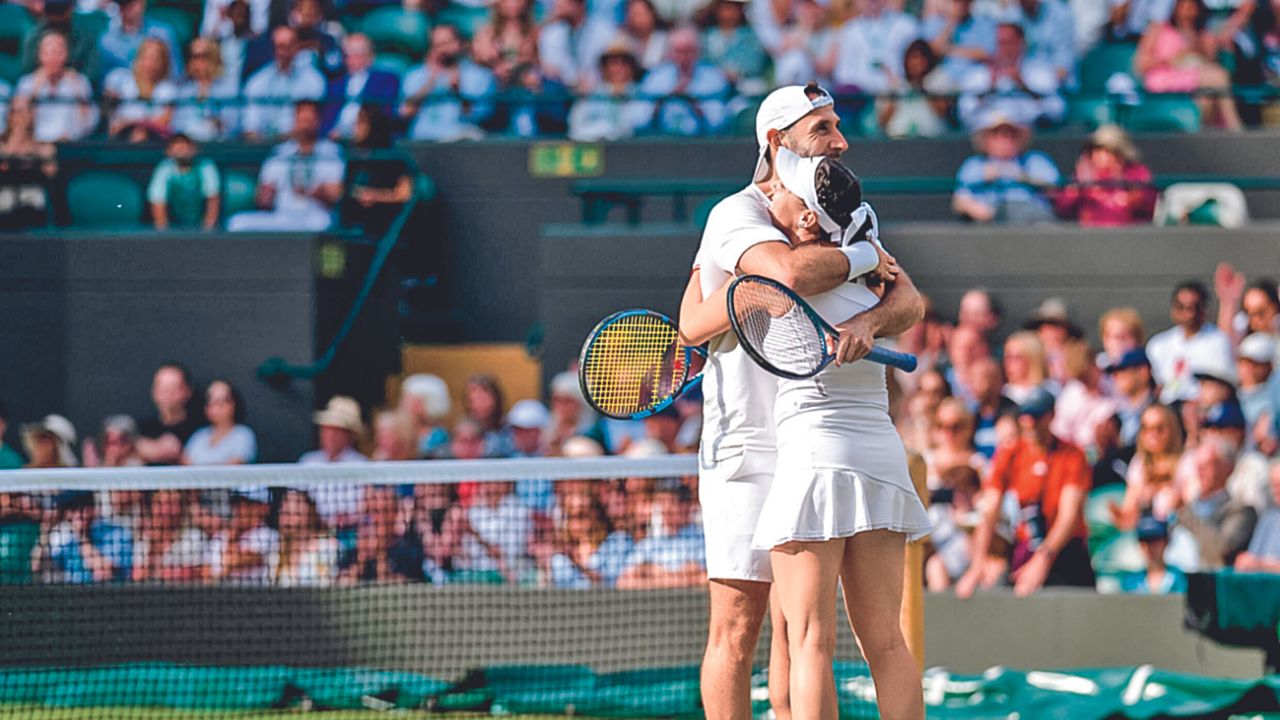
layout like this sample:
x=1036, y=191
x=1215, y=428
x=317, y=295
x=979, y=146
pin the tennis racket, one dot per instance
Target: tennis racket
x=633, y=365
x=784, y=335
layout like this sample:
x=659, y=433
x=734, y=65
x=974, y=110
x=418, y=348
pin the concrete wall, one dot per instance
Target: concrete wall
x=446, y=631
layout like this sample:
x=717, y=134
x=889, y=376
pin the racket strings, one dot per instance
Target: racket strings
x=633, y=364
x=777, y=329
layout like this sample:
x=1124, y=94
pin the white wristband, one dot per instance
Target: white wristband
x=863, y=258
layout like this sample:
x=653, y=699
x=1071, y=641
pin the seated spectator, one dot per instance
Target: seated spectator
x=234, y=47
x=1129, y=19
x=954, y=508
x=378, y=183
x=1111, y=463
x=204, y=105
x=84, y=548
x=964, y=41
x=980, y=311
x=300, y=184
x=663, y=428
x=466, y=442
x=965, y=347
x=120, y=44
x=677, y=557
x=21, y=533
x=803, y=49
x=927, y=340
x=1248, y=481
x=1258, y=394
x=1081, y=404
x=1051, y=322
x=116, y=446
x=56, y=16
x=434, y=531
x=570, y=416
x=1011, y=84
x=424, y=399
x=917, y=106
x=527, y=423
x=989, y=404
x=136, y=115
x=308, y=551
x=184, y=192
x=394, y=436
x=685, y=95
x=1025, y=370
x=1263, y=554
x=317, y=42
x=1005, y=182
x=611, y=112
x=732, y=46
x=274, y=91
x=869, y=49
x=1050, y=478
x=483, y=405
x=375, y=537
x=646, y=33
x=1132, y=391
x=1158, y=578
x=10, y=459
x=952, y=442
x=919, y=419
x=497, y=548
x=587, y=553
x=447, y=96
x=247, y=551
x=536, y=105
x=1173, y=352
x=226, y=440
x=1049, y=27
x=571, y=42
x=340, y=427
x=169, y=546
x=1111, y=187
x=1120, y=330
x=217, y=19
x=1152, y=488
x=162, y=436
x=28, y=168
x=361, y=85
x=60, y=95
x=1215, y=527
x=508, y=41
x=49, y=443
x=1180, y=56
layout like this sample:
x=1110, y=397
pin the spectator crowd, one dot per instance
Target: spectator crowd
x=1121, y=461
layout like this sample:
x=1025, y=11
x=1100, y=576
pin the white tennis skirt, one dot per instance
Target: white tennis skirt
x=841, y=466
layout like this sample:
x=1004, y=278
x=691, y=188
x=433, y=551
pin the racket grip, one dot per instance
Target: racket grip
x=905, y=362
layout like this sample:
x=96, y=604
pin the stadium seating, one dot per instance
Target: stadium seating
x=15, y=24
x=183, y=22
x=396, y=30
x=99, y=199
x=237, y=192
x=1087, y=113
x=395, y=63
x=466, y=19
x=1164, y=113
x=1103, y=62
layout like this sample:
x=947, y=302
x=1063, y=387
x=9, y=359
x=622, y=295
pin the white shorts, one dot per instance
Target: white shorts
x=732, y=497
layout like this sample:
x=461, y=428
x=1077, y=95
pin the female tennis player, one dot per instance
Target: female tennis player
x=841, y=505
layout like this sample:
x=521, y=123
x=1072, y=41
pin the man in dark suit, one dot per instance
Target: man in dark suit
x=361, y=84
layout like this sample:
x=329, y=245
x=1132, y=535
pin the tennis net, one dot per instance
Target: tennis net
x=540, y=586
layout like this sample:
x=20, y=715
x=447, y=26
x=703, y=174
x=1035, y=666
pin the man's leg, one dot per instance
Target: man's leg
x=737, y=613
x=779, y=661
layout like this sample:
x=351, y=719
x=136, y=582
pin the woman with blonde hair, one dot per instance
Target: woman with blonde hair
x=1152, y=476
x=138, y=115
x=509, y=40
x=1025, y=368
x=394, y=435
x=204, y=102
x=952, y=444
x=308, y=551
x=1121, y=330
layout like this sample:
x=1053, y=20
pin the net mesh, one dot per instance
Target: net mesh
x=777, y=330
x=633, y=364
x=548, y=587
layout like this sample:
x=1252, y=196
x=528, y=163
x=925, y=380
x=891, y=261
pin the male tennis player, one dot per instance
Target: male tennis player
x=737, y=453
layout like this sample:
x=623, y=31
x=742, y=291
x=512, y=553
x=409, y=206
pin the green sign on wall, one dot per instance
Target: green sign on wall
x=565, y=160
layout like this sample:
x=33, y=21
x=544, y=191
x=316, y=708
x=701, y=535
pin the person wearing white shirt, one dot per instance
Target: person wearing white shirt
x=61, y=96
x=339, y=427
x=205, y=103
x=272, y=91
x=686, y=95
x=501, y=526
x=301, y=182
x=571, y=42
x=867, y=54
x=1022, y=89
x=447, y=96
x=610, y=113
x=1190, y=342
x=1051, y=36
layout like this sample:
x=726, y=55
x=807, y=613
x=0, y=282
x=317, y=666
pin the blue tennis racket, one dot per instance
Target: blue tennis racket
x=784, y=335
x=634, y=365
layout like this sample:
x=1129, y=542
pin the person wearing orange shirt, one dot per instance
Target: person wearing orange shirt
x=1050, y=478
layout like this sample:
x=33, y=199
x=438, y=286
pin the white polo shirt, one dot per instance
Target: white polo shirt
x=1173, y=355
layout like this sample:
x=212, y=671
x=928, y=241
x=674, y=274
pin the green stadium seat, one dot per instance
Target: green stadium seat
x=183, y=23
x=1089, y=112
x=394, y=63
x=238, y=189
x=92, y=24
x=466, y=19
x=1164, y=113
x=10, y=67
x=744, y=123
x=15, y=24
x=1102, y=62
x=104, y=199
x=397, y=30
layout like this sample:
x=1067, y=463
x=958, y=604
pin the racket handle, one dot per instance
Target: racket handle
x=905, y=362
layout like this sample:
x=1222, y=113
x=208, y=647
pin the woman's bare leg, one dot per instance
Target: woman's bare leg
x=804, y=580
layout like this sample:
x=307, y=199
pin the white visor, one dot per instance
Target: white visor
x=797, y=175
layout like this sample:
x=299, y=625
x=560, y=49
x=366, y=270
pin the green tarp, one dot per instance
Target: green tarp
x=1138, y=693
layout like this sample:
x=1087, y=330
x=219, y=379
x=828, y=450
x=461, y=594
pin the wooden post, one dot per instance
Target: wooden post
x=913, y=576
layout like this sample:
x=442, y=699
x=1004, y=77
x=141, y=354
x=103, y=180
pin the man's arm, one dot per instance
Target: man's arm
x=899, y=309
x=808, y=269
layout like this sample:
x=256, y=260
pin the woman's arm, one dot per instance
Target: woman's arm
x=1144, y=59
x=702, y=319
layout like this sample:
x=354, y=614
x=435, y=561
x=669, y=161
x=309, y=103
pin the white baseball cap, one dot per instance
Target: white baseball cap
x=1258, y=347
x=779, y=111
x=528, y=414
x=432, y=391
x=1214, y=367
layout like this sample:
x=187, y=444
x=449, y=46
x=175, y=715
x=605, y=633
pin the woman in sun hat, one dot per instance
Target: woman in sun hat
x=1112, y=187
